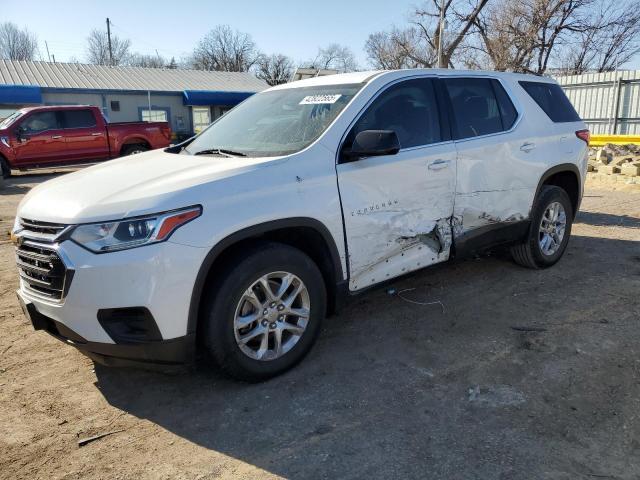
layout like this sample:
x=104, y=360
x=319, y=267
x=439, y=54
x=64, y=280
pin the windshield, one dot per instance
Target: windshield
x=279, y=122
x=7, y=121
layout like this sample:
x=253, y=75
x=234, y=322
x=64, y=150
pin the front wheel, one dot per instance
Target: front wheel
x=5, y=171
x=551, y=219
x=264, y=313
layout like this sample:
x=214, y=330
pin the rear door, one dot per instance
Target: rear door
x=39, y=139
x=397, y=208
x=497, y=164
x=85, y=137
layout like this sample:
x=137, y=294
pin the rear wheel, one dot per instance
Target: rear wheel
x=551, y=220
x=134, y=149
x=265, y=312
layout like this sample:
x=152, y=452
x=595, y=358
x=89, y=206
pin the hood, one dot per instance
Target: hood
x=148, y=182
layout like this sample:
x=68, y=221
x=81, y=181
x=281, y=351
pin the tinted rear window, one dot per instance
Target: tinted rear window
x=551, y=99
x=475, y=107
x=78, y=119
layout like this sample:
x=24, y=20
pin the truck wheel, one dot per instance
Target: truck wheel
x=550, y=229
x=133, y=149
x=265, y=312
x=5, y=171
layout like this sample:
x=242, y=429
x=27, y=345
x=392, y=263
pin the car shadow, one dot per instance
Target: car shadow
x=385, y=392
x=607, y=219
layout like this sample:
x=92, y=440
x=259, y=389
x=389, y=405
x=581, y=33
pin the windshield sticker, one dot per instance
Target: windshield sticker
x=319, y=99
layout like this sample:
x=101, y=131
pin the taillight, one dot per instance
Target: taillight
x=584, y=135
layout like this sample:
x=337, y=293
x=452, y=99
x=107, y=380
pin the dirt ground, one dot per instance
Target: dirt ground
x=393, y=389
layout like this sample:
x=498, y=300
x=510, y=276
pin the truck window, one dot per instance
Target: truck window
x=475, y=107
x=39, y=122
x=408, y=108
x=78, y=119
x=551, y=99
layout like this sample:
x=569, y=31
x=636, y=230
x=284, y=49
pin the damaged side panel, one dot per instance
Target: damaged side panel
x=479, y=209
x=397, y=213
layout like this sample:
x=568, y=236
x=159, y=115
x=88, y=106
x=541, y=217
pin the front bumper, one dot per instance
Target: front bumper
x=157, y=279
x=176, y=351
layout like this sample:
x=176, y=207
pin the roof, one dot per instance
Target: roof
x=363, y=77
x=98, y=77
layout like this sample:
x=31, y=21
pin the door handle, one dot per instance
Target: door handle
x=527, y=147
x=96, y=134
x=56, y=136
x=438, y=164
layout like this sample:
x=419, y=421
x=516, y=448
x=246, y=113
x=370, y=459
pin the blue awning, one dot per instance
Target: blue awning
x=20, y=94
x=213, y=97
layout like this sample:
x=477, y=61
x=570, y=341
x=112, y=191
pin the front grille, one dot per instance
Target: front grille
x=42, y=270
x=41, y=228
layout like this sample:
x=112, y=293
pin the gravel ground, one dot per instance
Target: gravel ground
x=393, y=389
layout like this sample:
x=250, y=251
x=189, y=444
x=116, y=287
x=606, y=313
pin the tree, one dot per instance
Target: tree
x=613, y=39
x=98, y=48
x=275, y=69
x=334, y=57
x=385, y=50
x=224, y=49
x=145, y=60
x=523, y=35
x=172, y=65
x=16, y=44
x=417, y=44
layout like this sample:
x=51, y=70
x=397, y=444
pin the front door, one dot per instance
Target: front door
x=39, y=140
x=397, y=208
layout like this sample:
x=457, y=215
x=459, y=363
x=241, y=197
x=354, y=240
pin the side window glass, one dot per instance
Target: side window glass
x=507, y=110
x=78, y=119
x=475, y=108
x=39, y=122
x=408, y=108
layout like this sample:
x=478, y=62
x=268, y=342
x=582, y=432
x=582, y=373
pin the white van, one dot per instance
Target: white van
x=243, y=238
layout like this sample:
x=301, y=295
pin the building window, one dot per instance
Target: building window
x=115, y=105
x=154, y=115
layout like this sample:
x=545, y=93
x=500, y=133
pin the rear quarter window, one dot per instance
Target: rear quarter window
x=552, y=100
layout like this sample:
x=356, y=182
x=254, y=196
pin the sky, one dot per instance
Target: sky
x=294, y=28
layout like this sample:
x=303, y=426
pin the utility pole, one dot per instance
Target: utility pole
x=47, y=45
x=109, y=39
x=440, y=34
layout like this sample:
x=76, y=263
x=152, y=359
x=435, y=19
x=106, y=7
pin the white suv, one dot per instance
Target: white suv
x=241, y=239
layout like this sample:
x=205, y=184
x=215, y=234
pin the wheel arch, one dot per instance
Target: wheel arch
x=308, y=234
x=566, y=176
x=133, y=140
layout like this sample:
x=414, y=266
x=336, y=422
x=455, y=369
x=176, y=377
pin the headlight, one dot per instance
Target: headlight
x=132, y=232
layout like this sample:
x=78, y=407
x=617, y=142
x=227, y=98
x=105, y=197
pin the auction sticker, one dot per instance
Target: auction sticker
x=319, y=99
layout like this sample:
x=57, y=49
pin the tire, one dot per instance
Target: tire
x=229, y=299
x=5, y=171
x=133, y=149
x=531, y=253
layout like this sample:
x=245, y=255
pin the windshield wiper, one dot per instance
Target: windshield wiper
x=220, y=151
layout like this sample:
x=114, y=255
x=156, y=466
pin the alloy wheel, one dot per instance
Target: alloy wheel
x=271, y=316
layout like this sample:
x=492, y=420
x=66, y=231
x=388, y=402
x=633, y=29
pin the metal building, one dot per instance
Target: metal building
x=608, y=102
x=188, y=99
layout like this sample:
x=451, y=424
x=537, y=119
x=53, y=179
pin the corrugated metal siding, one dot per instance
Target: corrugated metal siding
x=73, y=75
x=594, y=97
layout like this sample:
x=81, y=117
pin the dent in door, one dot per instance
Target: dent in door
x=409, y=240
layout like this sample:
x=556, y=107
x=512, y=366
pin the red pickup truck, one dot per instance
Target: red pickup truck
x=66, y=135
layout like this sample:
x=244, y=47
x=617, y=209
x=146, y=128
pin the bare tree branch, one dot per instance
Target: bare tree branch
x=16, y=44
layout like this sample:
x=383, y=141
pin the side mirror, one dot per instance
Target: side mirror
x=20, y=132
x=374, y=143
